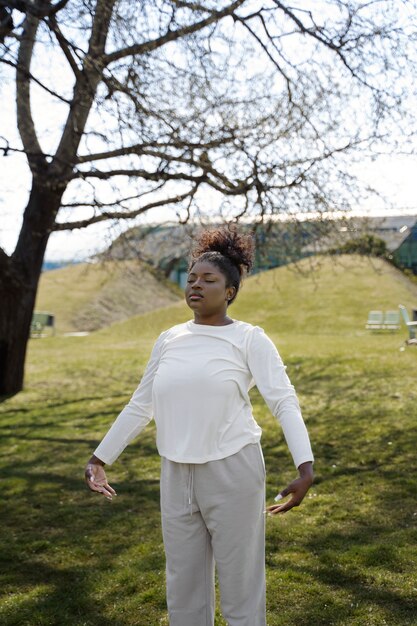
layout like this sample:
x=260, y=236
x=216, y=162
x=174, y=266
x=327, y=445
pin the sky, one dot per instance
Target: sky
x=393, y=176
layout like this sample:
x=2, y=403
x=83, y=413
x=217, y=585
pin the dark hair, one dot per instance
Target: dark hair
x=231, y=252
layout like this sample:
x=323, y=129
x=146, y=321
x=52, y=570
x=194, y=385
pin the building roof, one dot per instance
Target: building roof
x=162, y=244
x=393, y=230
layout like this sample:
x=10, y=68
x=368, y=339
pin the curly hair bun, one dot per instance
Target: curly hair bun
x=237, y=247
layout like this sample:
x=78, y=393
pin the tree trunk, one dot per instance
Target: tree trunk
x=15, y=318
x=19, y=278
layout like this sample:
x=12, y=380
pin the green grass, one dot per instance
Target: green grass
x=89, y=296
x=346, y=557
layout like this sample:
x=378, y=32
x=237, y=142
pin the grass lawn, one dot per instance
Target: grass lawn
x=89, y=296
x=346, y=557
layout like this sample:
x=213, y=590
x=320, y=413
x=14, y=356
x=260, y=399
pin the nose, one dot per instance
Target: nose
x=195, y=283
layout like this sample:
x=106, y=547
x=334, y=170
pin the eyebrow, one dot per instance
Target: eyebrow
x=205, y=274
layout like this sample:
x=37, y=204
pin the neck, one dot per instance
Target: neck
x=215, y=319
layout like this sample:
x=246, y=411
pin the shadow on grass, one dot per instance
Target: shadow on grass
x=342, y=569
x=64, y=440
x=66, y=598
x=26, y=425
x=7, y=396
x=61, y=545
x=62, y=403
x=354, y=559
x=71, y=558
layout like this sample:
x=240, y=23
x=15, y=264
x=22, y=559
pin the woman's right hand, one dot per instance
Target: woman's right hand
x=96, y=479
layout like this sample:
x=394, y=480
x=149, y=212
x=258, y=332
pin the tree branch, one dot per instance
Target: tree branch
x=30, y=76
x=98, y=204
x=121, y=214
x=232, y=189
x=119, y=202
x=139, y=148
x=25, y=121
x=172, y=35
x=63, y=44
x=6, y=23
x=243, y=21
x=7, y=148
x=193, y=6
x=202, y=163
x=57, y=7
x=100, y=28
x=36, y=9
x=137, y=173
x=85, y=88
x=326, y=41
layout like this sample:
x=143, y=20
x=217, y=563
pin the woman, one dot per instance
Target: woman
x=196, y=386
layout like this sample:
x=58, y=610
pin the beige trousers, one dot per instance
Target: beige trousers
x=212, y=513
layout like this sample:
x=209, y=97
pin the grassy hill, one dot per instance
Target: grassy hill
x=89, y=296
x=346, y=557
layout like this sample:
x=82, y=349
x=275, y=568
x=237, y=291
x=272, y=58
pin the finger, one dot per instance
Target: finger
x=278, y=509
x=103, y=488
x=94, y=486
x=105, y=492
x=284, y=493
x=274, y=509
x=283, y=508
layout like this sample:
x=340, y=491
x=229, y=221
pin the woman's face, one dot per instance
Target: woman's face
x=206, y=292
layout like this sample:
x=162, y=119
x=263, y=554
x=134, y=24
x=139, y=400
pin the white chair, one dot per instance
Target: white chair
x=392, y=320
x=412, y=326
x=375, y=320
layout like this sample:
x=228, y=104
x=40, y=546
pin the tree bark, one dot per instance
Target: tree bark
x=19, y=278
x=20, y=273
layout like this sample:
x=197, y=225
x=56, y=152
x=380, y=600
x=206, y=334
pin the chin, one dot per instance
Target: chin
x=193, y=304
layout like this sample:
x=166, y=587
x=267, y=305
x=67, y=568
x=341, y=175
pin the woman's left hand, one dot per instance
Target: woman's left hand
x=96, y=478
x=297, y=489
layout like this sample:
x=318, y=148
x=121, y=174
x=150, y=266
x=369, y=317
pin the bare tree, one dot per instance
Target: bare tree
x=264, y=103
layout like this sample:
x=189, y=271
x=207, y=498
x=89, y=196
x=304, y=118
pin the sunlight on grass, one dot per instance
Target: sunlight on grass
x=346, y=557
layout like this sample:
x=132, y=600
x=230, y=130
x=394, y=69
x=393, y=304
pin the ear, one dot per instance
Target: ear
x=230, y=293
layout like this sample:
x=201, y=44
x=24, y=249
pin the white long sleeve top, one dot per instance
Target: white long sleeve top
x=196, y=386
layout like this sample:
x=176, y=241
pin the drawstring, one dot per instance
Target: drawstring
x=190, y=487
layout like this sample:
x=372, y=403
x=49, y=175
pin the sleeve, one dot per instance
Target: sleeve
x=136, y=414
x=269, y=375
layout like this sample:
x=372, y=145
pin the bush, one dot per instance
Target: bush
x=367, y=244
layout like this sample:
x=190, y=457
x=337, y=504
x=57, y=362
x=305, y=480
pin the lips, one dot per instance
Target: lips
x=195, y=296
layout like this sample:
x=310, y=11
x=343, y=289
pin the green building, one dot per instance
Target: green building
x=166, y=247
x=406, y=254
